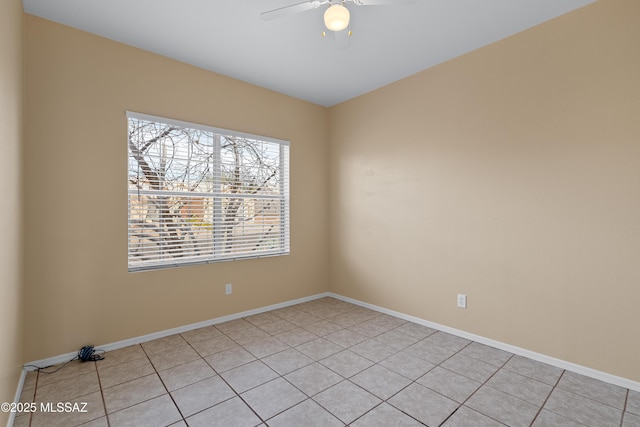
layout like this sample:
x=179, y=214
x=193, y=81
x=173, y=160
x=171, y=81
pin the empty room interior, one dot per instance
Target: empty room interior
x=507, y=174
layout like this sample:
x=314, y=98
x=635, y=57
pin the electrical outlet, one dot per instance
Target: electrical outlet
x=462, y=301
x=228, y=289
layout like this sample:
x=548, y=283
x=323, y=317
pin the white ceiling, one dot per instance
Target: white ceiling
x=289, y=55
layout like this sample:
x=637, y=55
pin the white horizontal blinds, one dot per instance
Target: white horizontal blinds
x=284, y=201
x=200, y=194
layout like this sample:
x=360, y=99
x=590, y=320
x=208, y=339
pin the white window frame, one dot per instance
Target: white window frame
x=216, y=197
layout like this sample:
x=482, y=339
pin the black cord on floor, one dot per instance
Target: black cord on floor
x=42, y=369
x=86, y=354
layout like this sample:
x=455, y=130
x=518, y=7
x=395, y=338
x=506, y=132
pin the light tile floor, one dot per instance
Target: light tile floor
x=323, y=363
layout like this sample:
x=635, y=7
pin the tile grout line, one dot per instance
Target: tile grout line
x=213, y=369
x=476, y=390
x=318, y=361
x=162, y=381
x=624, y=408
x=314, y=361
x=378, y=364
x=387, y=399
x=225, y=381
x=104, y=404
x=279, y=377
x=547, y=398
x=307, y=396
x=435, y=366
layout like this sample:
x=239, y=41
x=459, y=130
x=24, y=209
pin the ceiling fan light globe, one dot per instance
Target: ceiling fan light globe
x=336, y=17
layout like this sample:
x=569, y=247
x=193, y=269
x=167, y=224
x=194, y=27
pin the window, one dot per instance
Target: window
x=198, y=194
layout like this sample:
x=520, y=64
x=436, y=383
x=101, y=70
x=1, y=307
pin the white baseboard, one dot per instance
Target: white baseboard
x=609, y=378
x=149, y=337
x=16, y=399
x=562, y=364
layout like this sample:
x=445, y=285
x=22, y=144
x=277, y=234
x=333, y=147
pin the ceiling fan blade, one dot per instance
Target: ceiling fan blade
x=294, y=8
x=383, y=2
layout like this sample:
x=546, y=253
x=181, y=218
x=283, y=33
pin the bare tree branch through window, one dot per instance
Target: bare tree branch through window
x=199, y=194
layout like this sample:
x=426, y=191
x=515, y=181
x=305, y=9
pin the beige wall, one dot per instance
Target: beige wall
x=79, y=291
x=512, y=175
x=11, y=46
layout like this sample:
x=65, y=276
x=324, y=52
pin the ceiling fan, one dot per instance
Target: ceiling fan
x=336, y=15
